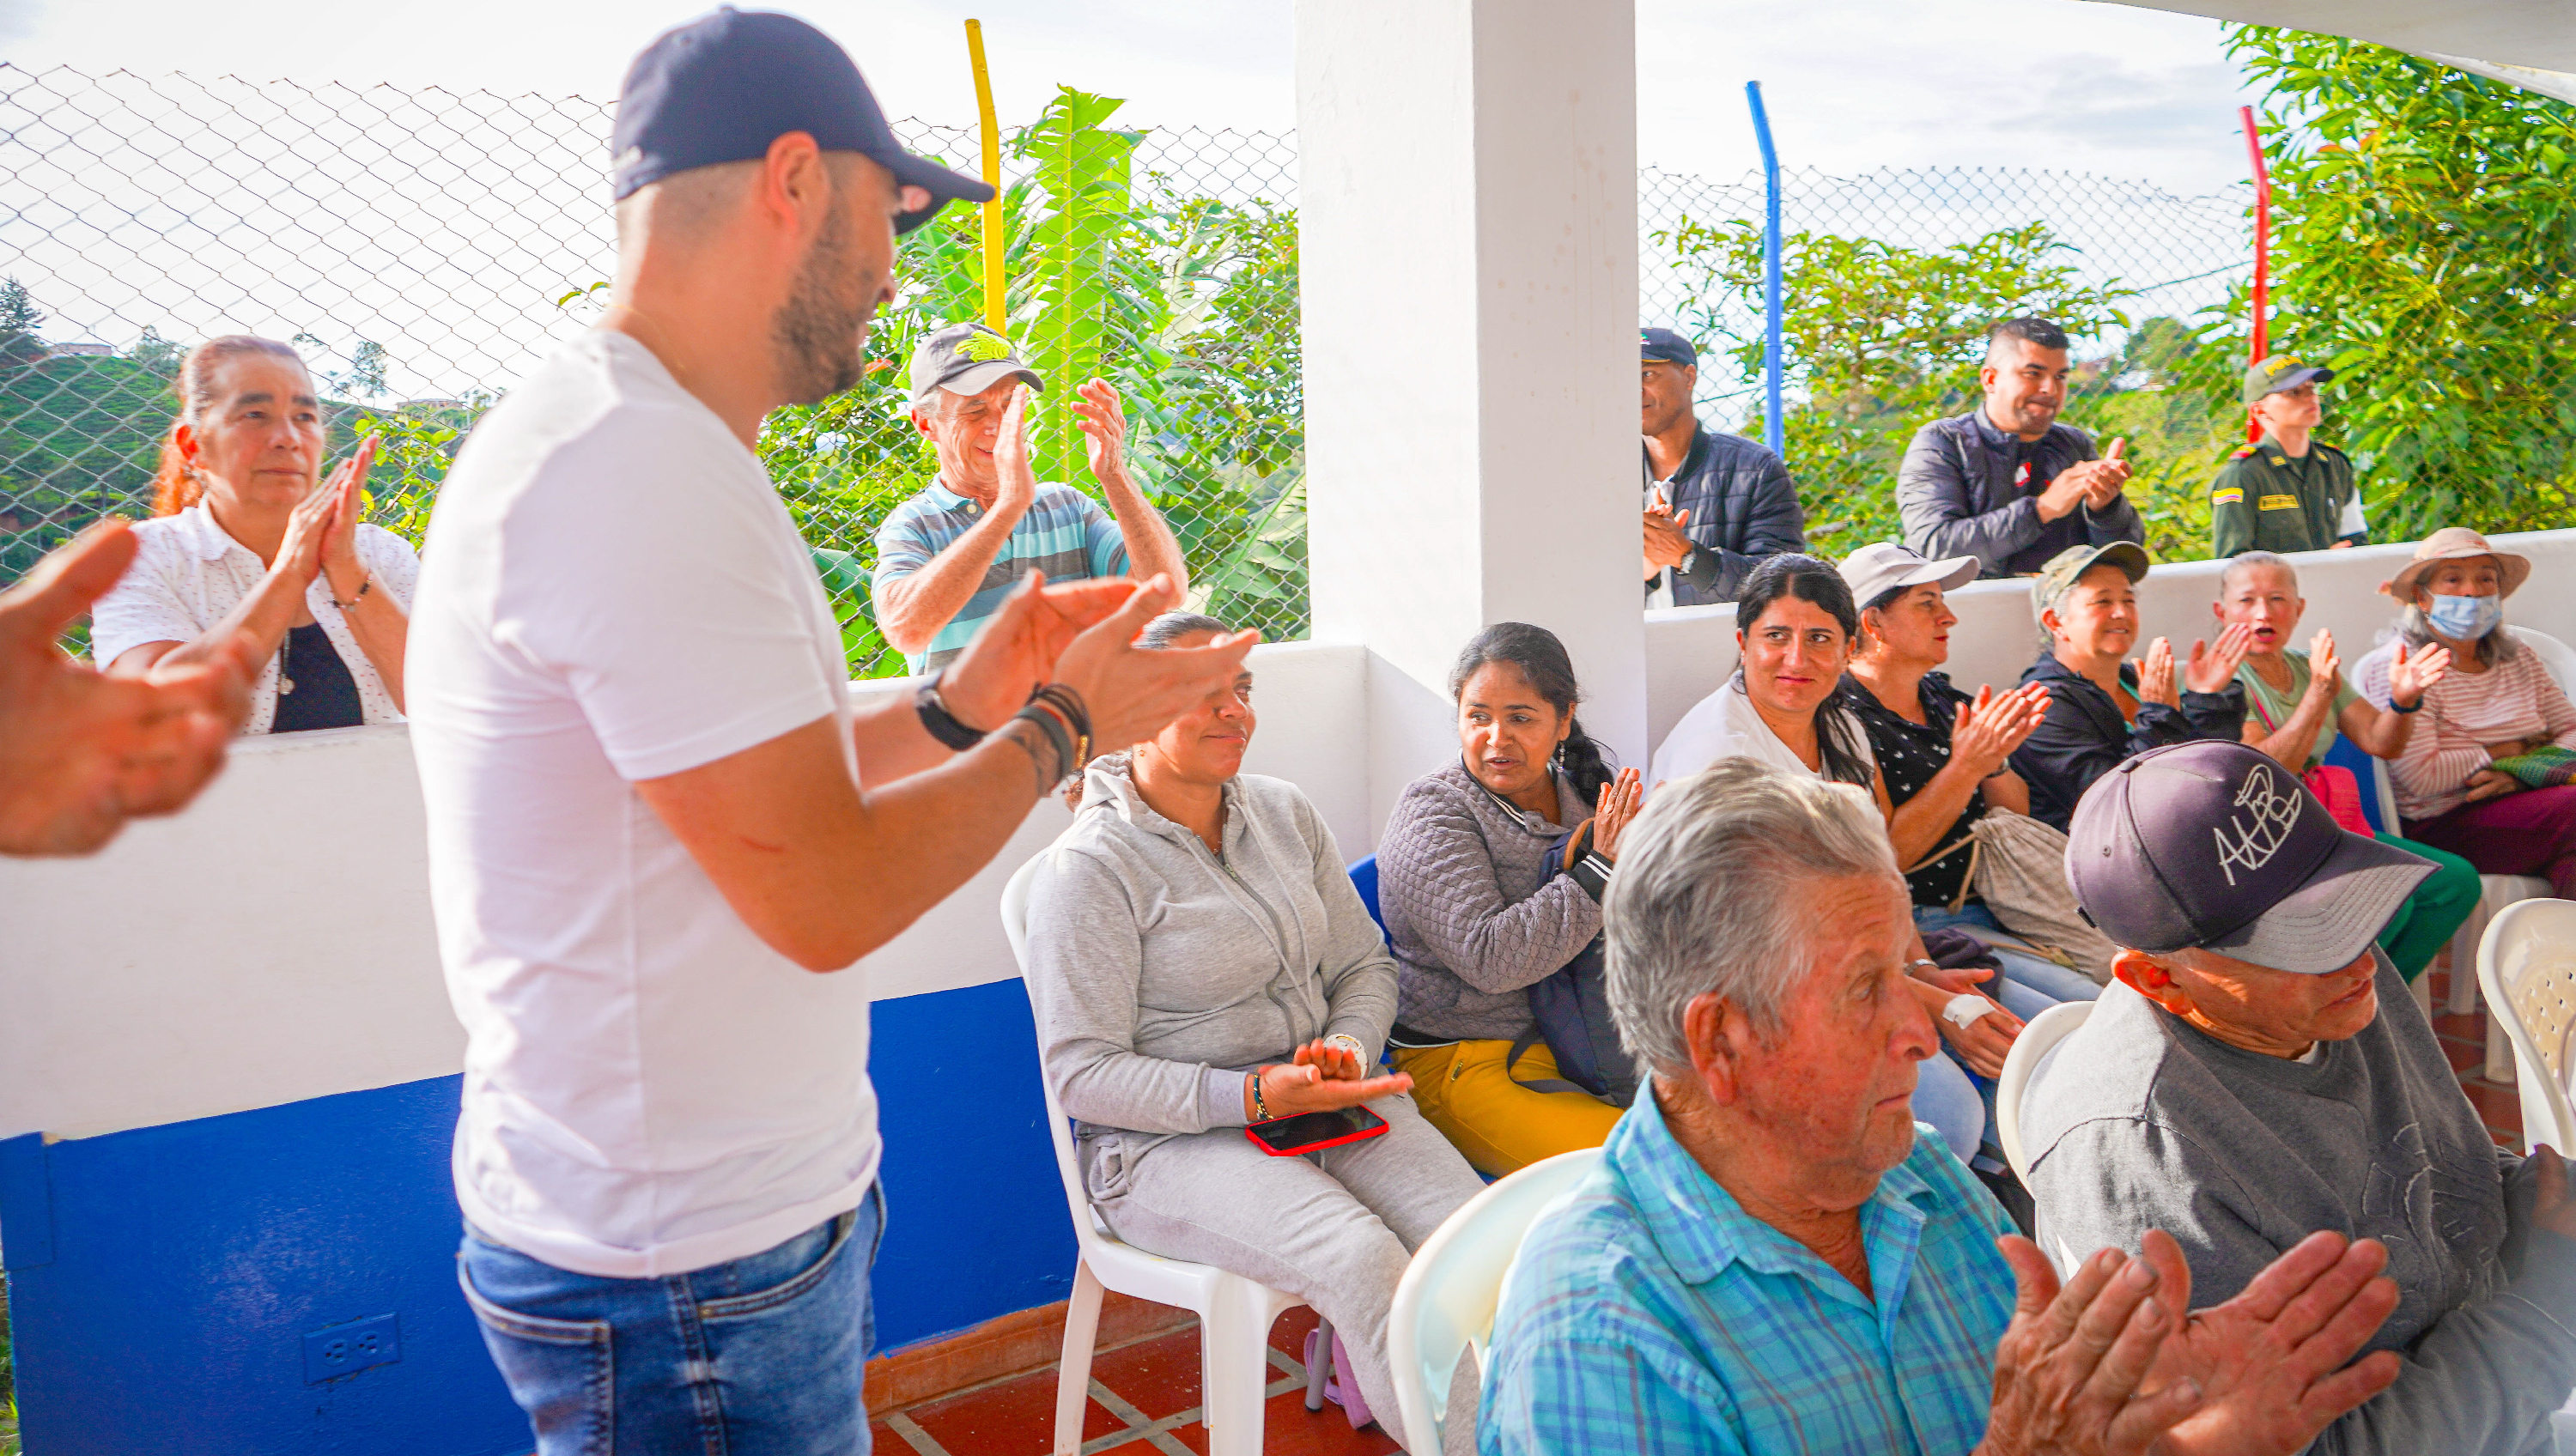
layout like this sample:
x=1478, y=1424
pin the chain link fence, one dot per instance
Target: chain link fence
x=427, y=248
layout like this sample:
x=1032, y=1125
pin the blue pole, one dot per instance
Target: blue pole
x=1774, y=429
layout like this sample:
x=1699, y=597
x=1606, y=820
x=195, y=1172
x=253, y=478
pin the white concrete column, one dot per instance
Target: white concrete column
x=1468, y=238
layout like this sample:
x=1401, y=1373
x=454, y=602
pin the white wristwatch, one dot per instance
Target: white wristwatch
x=1348, y=1043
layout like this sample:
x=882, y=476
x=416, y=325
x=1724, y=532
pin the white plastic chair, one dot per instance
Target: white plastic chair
x=1445, y=1302
x=1235, y=1313
x=2527, y=966
x=2030, y=1055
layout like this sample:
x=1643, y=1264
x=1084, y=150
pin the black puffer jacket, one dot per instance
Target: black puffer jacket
x=2084, y=737
x=1743, y=507
x=1962, y=492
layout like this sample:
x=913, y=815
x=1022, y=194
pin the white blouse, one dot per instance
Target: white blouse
x=1726, y=725
x=188, y=575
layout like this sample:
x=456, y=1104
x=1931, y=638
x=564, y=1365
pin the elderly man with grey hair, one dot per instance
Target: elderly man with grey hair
x=1773, y=1257
x=2259, y=1071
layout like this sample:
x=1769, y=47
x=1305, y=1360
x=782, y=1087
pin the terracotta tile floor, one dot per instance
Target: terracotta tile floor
x=1145, y=1396
x=1144, y=1399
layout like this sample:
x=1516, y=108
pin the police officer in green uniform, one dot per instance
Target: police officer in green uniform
x=2285, y=492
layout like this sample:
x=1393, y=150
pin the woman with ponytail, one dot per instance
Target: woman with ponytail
x=248, y=543
x=1472, y=916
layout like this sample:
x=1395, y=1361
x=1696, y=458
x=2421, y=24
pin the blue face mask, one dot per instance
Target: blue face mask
x=2465, y=619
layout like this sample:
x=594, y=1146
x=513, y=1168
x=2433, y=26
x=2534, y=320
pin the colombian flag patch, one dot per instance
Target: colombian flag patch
x=2229, y=496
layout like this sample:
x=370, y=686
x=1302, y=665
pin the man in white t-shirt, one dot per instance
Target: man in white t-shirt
x=659, y=835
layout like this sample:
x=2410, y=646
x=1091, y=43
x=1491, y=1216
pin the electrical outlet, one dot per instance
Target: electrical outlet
x=337, y=1350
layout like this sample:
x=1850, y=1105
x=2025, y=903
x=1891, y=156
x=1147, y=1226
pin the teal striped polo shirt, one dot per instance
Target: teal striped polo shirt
x=1064, y=533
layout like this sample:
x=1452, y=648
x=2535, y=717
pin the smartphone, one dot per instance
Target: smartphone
x=1307, y=1132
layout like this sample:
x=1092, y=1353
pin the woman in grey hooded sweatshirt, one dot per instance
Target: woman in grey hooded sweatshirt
x=1199, y=961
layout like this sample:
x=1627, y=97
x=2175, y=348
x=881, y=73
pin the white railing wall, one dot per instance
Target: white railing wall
x=274, y=943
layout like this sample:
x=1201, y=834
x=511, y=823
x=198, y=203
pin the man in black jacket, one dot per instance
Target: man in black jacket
x=2005, y=483
x=2103, y=707
x=1715, y=503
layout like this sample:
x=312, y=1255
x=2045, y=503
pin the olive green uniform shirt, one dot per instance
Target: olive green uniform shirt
x=2265, y=501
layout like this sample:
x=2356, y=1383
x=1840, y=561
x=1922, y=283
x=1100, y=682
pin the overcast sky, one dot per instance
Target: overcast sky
x=1851, y=84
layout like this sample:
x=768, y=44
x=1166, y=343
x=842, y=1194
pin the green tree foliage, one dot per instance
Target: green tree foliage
x=2424, y=246
x=20, y=345
x=1881, y=339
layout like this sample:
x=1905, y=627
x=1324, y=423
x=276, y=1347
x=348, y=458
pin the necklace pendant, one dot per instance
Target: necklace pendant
x=285, y=684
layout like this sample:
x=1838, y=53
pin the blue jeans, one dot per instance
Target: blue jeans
x=2053, y=983
x=758, y=1357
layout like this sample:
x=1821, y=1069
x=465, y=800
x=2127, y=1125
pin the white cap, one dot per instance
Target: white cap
x=1882, y=566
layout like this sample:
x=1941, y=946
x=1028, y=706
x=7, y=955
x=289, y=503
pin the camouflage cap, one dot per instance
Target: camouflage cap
x=2067, y=567
x=965, y=359
x=2280, y=372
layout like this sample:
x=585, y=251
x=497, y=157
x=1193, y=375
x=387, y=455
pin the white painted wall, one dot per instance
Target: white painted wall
x=274, y=942
x=1467, y=237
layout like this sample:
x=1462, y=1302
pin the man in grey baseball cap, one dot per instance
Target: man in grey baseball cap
x=2259, y=1073
x=948, y=557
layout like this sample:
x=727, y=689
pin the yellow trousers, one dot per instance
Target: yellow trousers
x=1501, y=1126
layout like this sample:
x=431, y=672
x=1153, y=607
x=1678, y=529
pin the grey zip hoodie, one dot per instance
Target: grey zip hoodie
x=1161, y=973
x=1471, y=921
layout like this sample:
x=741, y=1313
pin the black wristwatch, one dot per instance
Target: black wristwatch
x=942, y=724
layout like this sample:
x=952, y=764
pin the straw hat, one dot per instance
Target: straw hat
x=2454, y=543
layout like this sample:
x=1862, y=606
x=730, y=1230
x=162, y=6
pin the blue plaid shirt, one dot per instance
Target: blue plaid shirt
x=1650, y=1313
x=1064, y=534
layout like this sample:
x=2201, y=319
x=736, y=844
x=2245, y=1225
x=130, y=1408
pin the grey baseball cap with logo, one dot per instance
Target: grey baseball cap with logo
x=965, y=359
x=2211, y=844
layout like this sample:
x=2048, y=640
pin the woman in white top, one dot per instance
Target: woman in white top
x=247, y=540
x=1795, y=629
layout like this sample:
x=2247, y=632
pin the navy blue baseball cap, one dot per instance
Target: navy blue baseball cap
x=1665, y=346
x=724, y=86
x=2211, y=844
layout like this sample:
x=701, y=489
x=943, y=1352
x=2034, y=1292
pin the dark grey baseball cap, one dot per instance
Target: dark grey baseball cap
x=966, y=358
x=2211, y=844
x=724, y=86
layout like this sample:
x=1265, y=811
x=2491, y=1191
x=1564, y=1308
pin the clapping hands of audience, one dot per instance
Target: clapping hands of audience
x=1015, y=481
x=2411, y=677
x=1990, y=728
x=1083, y=634
x=2270, y=1364
x=2093, y=484
x=1667, y=544
x=2325, y=666
x=2209, y=669
x=1319, y=1077
x=2104, y=1364
x=343, y=490
x=1098, y=412
x=1615, y=809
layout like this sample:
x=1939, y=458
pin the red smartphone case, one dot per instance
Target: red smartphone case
x=1302, y=1149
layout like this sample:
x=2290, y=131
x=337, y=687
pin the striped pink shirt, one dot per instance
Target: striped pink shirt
x=2463, y=713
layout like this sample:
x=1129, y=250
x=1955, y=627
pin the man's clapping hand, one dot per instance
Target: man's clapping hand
x=1667, y=544
x=2069, y=1367
x=2270, y=1364
x=80, y=752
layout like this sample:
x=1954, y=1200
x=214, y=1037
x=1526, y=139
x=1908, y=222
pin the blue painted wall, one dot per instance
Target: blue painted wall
x=187, y=1262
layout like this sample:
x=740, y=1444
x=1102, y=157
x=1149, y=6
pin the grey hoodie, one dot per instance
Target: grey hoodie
x=1161, y=973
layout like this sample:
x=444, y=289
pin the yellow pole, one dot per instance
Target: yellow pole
x=993, y=299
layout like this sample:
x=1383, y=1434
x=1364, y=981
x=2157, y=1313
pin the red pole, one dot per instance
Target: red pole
x=2262, y=251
